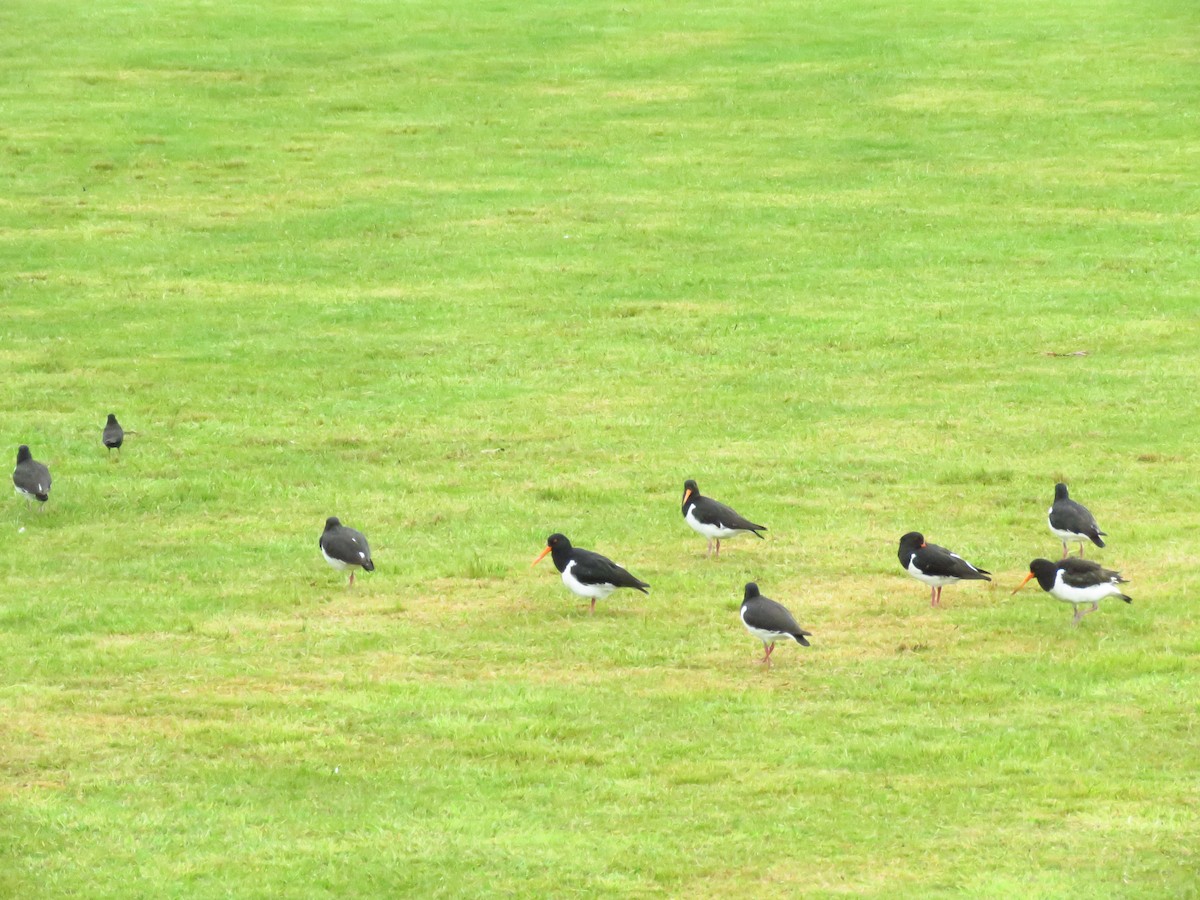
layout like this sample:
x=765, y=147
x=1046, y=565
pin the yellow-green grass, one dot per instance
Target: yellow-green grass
x=464, y=274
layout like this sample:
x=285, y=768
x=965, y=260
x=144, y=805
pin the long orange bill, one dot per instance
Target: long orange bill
x=1023, y=583
x=541, y=556
x=687, y=494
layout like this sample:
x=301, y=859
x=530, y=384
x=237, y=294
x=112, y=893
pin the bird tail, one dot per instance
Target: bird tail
x=369, y=566
x=982, y=575
x=641, y=586
x=1095, y=536
x=757, y=529
x=1126, y=598
x=42, y=497
x=801, y=639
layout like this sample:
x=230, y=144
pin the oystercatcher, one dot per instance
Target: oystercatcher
x=1076, y=581
x=769, y=621
x=344, y=548
x=30, y=478
x=1071, y=521
x=586, y=573
x=114, y=434
x=712, y=519
x=936, y=566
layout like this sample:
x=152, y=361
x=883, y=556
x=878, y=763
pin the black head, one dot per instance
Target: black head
x=333, y=522
x=558, y=541
x=23, y=454
x=912, y=542
x=1060, y=492
x=690, y=489
x=751, y=592
x=112, y=418
x=1044, y=571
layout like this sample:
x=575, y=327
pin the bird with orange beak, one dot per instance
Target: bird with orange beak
x=1076, y=581
x=714, y=520
x=585, y=573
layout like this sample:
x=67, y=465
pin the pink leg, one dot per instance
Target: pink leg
x=352, y=579
x=718, y=546
x=1081, y=549
x=593, y=609
x=1066, y=552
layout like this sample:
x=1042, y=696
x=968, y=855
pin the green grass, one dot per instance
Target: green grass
x=468, y=273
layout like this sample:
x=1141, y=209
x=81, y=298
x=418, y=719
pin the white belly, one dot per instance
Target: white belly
x=591, y=591
x=1066, y=535
x=709, y=531
x=336, y=563
x=1093, y=594
x=766, y=637
x=21, y=492
x=931, y=580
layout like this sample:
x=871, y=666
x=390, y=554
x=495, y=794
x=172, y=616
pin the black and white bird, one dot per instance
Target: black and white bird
x=1076, y=581
x=585, y=573
x=31, y=479
x=344, y=548
x=769, y=621
x=936, y=566
x=712, y=519
x=114, y=434
x=1071, y=521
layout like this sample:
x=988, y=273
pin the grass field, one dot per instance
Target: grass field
x=464, y=274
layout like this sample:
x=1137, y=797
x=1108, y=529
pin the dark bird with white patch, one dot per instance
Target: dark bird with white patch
x=1076, y=581
x=714, y=520
x=936, y=566
x=769, y=621
x=344, y=548
x=114, y=434
x=31, y=479
x=585, y=573
x=1070, y=521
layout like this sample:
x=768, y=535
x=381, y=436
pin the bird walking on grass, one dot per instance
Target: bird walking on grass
x=31, y=479
x=712, y=519
x=114, y=434
x=585, y=573
x=936, y=566
x=1076, y=581
x=1070, y=521
x=344, y=548
x=769, y=622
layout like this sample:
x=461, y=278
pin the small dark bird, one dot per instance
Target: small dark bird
x=1071, y=521
x=344, y=548
x=585, y=573
x=114, y=434
x=712, y=519
x=31, y=479
x=936, y=566
x=1076, y=581
x=769, y=621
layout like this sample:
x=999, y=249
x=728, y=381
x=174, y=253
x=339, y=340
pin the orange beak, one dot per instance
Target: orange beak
x=687, y=494
x=541, y=556
x=1023, y=583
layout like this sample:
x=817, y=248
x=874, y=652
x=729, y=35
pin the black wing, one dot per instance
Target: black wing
x=1085, y=573
x=32, y=477
x=934, y=560
x=710, y=512
x=592, y=568
x=348, y=546
x=765, y=613
x=1067, y=515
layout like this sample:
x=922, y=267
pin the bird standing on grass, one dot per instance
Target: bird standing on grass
x=769, y=621
x=585, y=573
x=936, y=566
x=712, y=519
x=344, y=548
x=1076, y=581
x=1071, y=521
x=114, y=434
x=31, y=479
